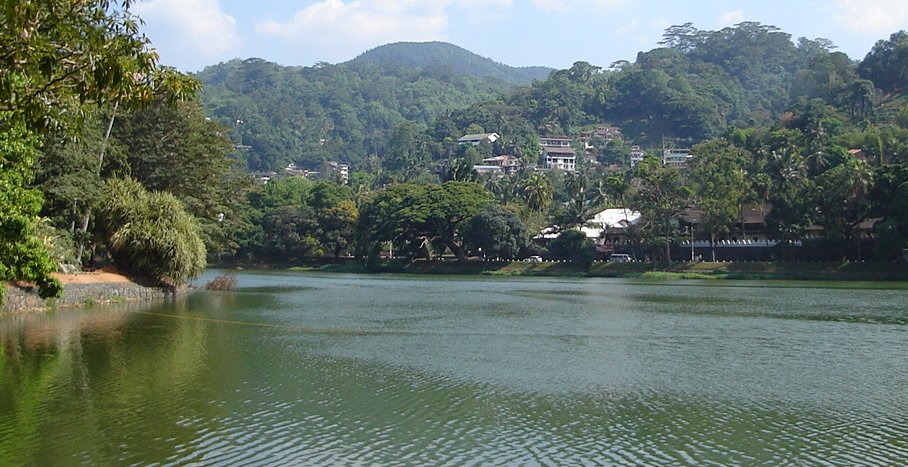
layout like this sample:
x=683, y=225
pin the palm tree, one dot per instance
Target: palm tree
x=461, y=171
x=861, y=184
x=538, y=191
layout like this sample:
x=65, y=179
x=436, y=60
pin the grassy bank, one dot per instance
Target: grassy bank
x=845, y=271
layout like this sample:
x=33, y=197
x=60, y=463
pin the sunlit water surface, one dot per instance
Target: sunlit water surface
x=327, y=369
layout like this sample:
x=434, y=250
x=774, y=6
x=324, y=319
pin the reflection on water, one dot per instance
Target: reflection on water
x=295, y=368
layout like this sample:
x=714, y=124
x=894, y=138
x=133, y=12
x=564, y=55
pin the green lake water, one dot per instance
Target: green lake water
x=312, y=369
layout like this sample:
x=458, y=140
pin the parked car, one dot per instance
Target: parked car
x=620, y=258
x=534, y=259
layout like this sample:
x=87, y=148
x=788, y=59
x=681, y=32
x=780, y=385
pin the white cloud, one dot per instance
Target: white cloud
x=181, y=29
x=577, y=5
x=730, y=18
x=872, y=17
x=342, y=28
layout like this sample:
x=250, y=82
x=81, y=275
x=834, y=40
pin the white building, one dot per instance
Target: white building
x=559, y=158
x=613, y=221
x=676, y=157
x=476, y=139
x=637, y=155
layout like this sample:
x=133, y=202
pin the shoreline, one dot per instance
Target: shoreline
x=105, y=285
x=813, y=271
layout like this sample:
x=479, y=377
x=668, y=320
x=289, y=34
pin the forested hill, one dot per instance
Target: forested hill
x=694, y=87
x=443, y=56
x=341, y=112
x=700, y=83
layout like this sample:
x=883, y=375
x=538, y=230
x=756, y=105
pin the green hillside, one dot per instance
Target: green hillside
x=341, y=112
x=441, y=56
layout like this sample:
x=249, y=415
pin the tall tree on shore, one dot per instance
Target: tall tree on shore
x=719, y=186
x=54, y=56
x=658, y=194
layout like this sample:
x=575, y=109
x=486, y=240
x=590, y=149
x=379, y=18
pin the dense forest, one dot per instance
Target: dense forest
x=348, y=111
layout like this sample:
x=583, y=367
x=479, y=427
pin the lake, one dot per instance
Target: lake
x=303, y=368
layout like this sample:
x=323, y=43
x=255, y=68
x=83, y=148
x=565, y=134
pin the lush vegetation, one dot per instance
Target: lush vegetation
x=84, y=104
x=117, y=156
x=343, y=112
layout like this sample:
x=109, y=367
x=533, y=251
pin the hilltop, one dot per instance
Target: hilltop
x=445, y=56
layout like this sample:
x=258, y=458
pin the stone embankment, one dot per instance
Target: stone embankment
x=80, y=290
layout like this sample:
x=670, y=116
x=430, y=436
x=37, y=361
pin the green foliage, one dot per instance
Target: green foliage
x=337, y=226
x=447, y=60
x=22, y=255
x=54, y=56
x=537, y=191
x=659, y=195
x=461, y=170
x=290, y=233
x=887, y=63
x=496, y=232
x=55, y=53
x=418, y=217
x=719, y=185
x=150, y=234
x=889, y=201
x=841, y=198
x=334, y=112
x=574, y=246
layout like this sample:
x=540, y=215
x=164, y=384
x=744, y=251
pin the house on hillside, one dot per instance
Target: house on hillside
x=637, y=155
x=555, y=141
x=559, y=158
x=676, y=157
x=605, y=133
x=479, y=138
x=331, y=170
x=503, y=164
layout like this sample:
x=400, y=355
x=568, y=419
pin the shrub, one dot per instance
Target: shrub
x=226, y=281
x=150, y=234
x=573, y=245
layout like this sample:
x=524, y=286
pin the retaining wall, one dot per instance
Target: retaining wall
x=21, y=300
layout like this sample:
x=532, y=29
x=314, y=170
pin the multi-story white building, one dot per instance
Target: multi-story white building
x=559, y=158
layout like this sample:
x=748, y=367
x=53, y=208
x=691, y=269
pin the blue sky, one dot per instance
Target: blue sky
x=190, y=34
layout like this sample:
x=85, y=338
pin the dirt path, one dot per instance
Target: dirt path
x=108, y=275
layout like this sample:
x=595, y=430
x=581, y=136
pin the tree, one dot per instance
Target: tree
x=290, y=233
x=658, y=195
x=419, y=216
x=171, y=146
x=887, y=63
x=574, y=246
x=337, y=225
x=461, y=170
x=841, y=199
x=55, y=54
x=22, y=256
x=497, y=232
x=537, y=191
x=150, y=234
x=719, y=186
